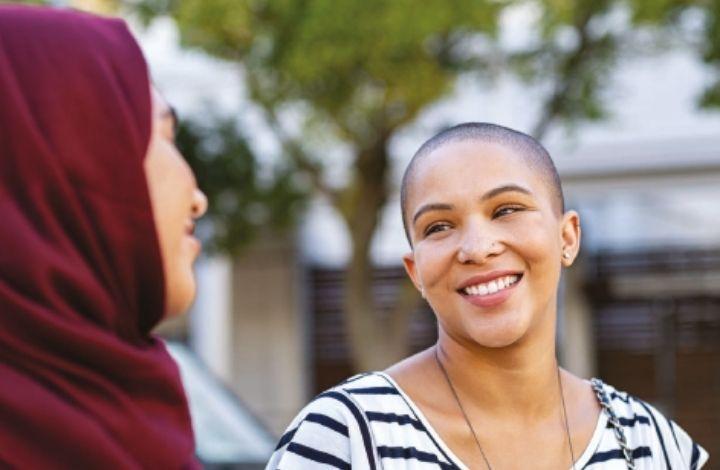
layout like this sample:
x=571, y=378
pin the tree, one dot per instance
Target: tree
x=241, y=204
x=350, y=74
x=579, y=73
x=246, y=198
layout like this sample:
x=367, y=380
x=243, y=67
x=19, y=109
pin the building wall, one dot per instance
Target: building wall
x=269, y=354
x=575, y=332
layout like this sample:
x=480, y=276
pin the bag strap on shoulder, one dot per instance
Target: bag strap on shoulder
x=602, y=396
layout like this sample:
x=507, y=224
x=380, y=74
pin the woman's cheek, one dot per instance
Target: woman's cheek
x=434, y=260
x=531, y=236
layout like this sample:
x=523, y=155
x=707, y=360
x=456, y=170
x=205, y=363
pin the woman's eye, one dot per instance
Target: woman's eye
x=506, y=210
x=434, y=228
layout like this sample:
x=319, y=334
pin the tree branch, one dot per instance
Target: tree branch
x=569, y=76
x=294, y=151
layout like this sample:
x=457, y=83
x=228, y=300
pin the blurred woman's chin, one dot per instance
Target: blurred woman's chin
x=181, y=295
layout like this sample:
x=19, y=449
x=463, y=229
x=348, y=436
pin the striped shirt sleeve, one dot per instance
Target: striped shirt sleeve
x=674, y=446
x=330, y=432
x=691, y=451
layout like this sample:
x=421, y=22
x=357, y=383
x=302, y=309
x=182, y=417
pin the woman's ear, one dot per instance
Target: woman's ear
x=570, y=234
x=410, y=268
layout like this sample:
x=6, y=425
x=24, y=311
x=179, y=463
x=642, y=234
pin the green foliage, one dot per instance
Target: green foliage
x=582, y=70
x=665, y=13
x=354, y=62
x=711, y=96
x=658, y=12
x=360, y=69
x=241, y=205
x=711, y=52
x=669, y=13
x=353, y=72
x=575, y=56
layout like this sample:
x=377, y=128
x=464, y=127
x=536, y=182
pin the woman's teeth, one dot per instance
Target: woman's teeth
x=492, y=286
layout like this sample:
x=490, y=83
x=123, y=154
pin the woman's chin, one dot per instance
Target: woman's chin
x=496, y=341
x=180, y=296
x=498, y=334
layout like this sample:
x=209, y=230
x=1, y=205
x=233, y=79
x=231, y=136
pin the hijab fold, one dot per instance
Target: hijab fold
x=83, y=383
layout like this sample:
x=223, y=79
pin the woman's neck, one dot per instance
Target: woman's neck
x=517, y=381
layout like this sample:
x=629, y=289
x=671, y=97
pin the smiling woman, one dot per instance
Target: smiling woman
x=176, y=203
x=484, y=214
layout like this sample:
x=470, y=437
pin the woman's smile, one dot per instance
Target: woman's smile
x=177, y=203
x=193, y=241
x=490, y=289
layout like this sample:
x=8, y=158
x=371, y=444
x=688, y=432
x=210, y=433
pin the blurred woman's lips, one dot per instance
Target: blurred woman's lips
x=195, y=244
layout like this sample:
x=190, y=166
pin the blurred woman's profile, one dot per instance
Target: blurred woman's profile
x=96, y=247
x=484, y=214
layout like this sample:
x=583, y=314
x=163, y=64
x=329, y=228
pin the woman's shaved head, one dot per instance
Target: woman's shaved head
x=485, y=133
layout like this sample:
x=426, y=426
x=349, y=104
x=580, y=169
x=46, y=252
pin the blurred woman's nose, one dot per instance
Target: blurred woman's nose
x=200, y=204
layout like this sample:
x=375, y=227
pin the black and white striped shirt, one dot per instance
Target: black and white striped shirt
x=368, y=422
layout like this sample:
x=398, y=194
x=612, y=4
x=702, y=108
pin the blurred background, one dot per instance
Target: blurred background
x=299, y=117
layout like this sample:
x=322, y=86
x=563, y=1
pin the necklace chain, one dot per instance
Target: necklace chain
x=472, y=429
x=462, y=409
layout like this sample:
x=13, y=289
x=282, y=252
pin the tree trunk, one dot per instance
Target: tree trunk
x=377, y=339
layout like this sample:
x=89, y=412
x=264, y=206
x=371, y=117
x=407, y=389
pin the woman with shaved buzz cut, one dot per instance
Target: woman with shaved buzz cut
x=483, y=211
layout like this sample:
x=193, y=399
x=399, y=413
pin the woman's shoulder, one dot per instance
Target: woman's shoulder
x=363, y=392
x=333, y=429
x=362, y=399
x=342, y=404
x=621, y=401
x=649, y=431
x=629, y=409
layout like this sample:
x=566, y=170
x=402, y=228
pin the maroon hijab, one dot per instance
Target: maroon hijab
x=83, y=384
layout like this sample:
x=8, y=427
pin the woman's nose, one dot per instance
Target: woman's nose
x=477, y=248
x=200, y=204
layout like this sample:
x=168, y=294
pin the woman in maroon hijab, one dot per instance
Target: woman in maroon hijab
x=96, y=218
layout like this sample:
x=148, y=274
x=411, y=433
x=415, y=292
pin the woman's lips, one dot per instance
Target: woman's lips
x=492, y=293
x=194, y=243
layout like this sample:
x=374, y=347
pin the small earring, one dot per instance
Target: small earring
x=566, y=255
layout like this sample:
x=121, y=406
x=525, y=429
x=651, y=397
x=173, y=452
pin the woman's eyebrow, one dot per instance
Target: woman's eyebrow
x=431, y=207
x=504, y=189
x=436, y=206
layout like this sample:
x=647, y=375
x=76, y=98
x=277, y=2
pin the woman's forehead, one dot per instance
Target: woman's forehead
x=469, y=167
